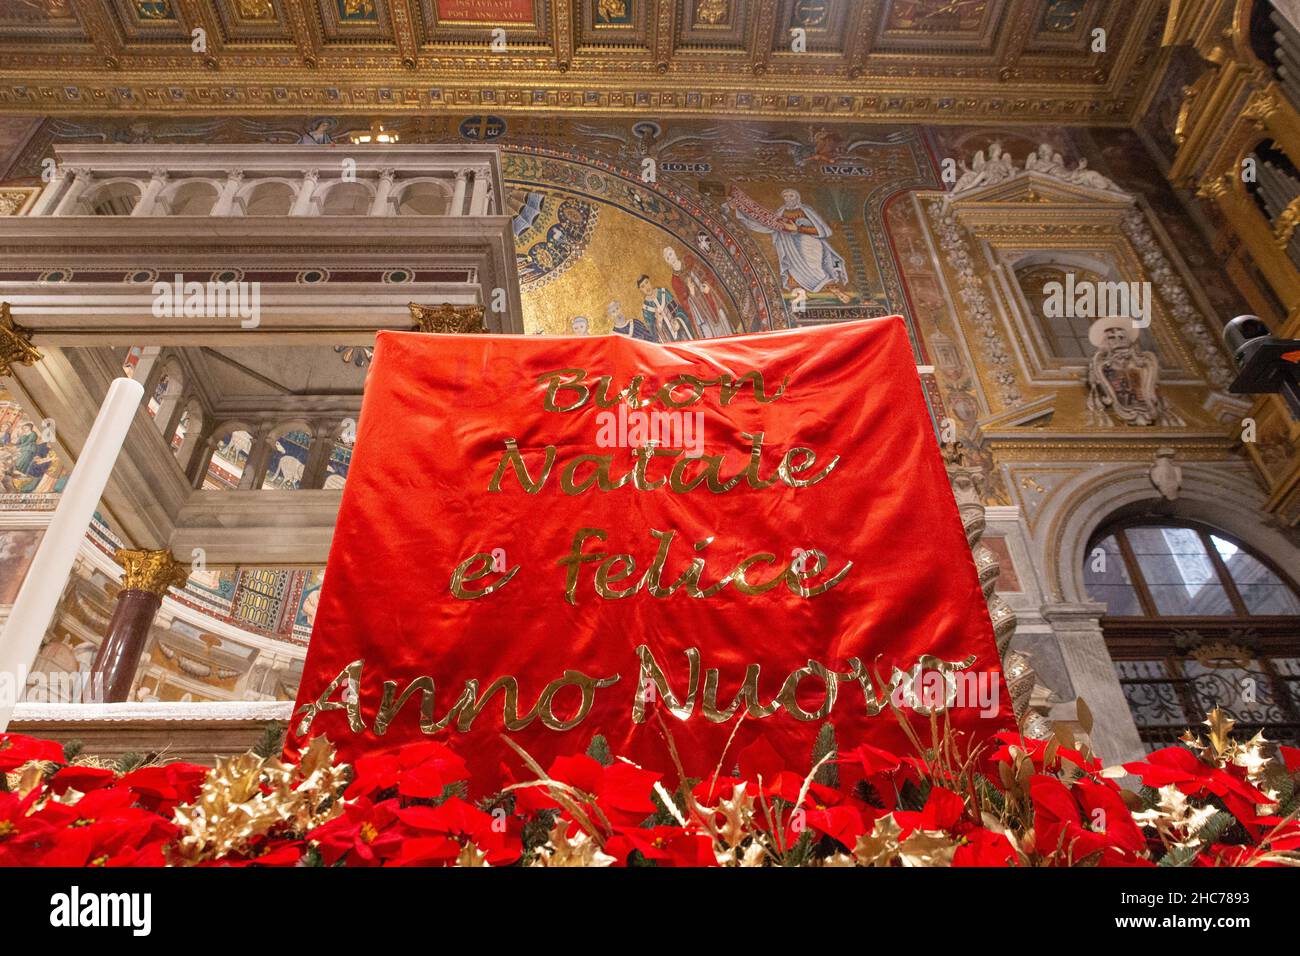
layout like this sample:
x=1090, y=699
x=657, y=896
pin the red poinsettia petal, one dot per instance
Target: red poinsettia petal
x=82, y=779
x=18, y=749
x=942, y=810
x=983, y=847
x=1291, y=758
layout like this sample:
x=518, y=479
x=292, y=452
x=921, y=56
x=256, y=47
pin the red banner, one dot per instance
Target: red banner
x=562, y=537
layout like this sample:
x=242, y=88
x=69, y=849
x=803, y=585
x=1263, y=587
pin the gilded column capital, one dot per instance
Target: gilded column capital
x=1286, y=223
x=15, y=343
x=152, y=571
x=1261, y=106
x=444, y=318
x=1212, y=187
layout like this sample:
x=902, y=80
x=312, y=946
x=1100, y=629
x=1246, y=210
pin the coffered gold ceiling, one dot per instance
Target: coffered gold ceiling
x=1025, y=61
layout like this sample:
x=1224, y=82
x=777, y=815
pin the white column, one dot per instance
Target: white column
x=226, y=201
x=149, y=196
x=50, y=195
x=478, y=199
x=458, y=197
x=380, y=205
x=81, y=179
x=302, y=202
x=41, y=589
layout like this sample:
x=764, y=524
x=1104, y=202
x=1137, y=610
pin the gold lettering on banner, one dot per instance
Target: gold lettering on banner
x=652, y=684
x=515, y=460
x=463, y=574
x=795, y=460
x=614, y=568
x=573, y=380
x=349, y=677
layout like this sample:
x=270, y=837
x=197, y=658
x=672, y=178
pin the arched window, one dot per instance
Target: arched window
x=1195, y=620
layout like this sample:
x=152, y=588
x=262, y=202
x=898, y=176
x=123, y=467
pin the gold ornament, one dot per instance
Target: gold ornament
x=15, y=343
x=447, y=318
x=152, y=571
x=247, y=797
x=581, y=850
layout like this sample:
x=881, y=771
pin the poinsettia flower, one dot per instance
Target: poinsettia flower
x=943, y=811
x=1179, y=767
x=1064, y=829
x=495, y=836
x=1106, y=808
x=100, y=831
x=366, y=834
x=1036, y=750
x=419, y=770
x=17, y=749
x=164, y=788
x=983, y=847
x=841, y=822
x=22, y=836
x=267, y=851
x=621, y=791
x=871, y=759
x=666, y=845
x=81, y=779
x=89, y=809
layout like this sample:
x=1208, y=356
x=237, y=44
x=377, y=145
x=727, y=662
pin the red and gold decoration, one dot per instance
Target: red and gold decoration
x=558, y=538
x=1010, y=802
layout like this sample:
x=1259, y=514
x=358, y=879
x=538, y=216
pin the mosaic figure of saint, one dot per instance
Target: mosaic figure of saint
x=634, y=326
x=695, y=291
x=663, y=313
x=801, y=238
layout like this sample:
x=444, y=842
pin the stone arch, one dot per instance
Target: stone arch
x=422, y=196
x=1221, y=496
x=230, y=452
x=189, y=197
x=265, y=196
x=340, y=197
x=113, y=197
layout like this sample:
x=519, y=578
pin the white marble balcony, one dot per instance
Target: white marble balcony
x=161, y=180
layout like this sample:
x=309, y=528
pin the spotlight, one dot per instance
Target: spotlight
x=1266, y=364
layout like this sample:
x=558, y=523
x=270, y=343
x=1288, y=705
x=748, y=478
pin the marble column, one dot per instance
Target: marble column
x=385, y=186
x=318, y=455
x=302, y=202
x=225, y=204
x=458, y=197
x=148, y=576
x=81, y=180
x=149, y=197
x=1092, y=673
x=50, y=195
x=479, y=197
